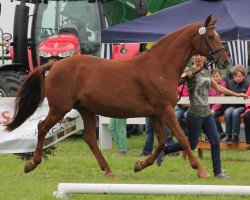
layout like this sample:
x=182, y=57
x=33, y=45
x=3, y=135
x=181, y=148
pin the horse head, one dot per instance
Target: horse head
x=208, y=43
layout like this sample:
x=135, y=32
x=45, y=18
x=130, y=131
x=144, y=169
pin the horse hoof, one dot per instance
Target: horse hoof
x=137, y=166
x=27, y=169
x=203, y=174
x=110, y=175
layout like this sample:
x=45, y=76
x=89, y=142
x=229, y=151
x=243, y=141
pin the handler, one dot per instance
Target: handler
x=199, y=116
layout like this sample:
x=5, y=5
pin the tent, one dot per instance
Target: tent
x=233, y=24
x=234, y=21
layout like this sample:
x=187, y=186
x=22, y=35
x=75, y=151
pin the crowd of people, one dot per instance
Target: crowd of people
x=200, y=116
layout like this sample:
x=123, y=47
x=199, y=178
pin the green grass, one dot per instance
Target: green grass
x=73, y=162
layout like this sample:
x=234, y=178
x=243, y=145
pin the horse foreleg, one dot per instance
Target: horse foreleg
x=89, y=136
x=173, y=124
x=161, y=137
x=43, y=128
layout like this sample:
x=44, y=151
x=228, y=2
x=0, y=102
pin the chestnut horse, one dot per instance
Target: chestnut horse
x=145, y=85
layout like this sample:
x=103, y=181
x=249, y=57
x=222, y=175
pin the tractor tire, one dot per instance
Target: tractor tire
x=10, y=82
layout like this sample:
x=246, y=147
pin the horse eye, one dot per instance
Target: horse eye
x=210, y=37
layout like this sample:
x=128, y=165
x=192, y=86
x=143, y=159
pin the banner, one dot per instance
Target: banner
x=24, y=138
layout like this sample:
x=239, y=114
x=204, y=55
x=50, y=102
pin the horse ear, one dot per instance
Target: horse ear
x=214, y=21
x=207, y=21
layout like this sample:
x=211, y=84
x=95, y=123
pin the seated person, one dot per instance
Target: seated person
x=238, y=84
x=148, y=146
x=181, y=109
x=246, y=120
x=217, y=109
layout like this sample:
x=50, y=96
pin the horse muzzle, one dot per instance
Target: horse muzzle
x=223, y=63
x=226, y=64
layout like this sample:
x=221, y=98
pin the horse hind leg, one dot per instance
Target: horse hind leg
x=172, y=123
x=89, y=136
x=43, y=127
x=161, y=136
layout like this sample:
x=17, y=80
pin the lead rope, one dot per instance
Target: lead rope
x=183, y=80
x=183, y=84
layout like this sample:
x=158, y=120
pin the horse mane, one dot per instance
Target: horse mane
x=167, y=36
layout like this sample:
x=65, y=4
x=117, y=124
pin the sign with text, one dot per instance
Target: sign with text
x=24, y=138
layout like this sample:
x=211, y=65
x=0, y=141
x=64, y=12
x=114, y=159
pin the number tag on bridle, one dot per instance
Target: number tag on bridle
x=202, y=30
x=46, y=73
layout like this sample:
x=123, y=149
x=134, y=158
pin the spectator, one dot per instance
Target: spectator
x=238, y=84
x=228, y=77
x=181, y=109
x=199, y=115
x=117, y=128
x=148, y=146
x=246, y=120
x=217, y=109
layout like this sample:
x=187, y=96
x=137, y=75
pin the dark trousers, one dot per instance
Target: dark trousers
x=195, y=124
x=148, y=146
x=246, y=120
x=217, y=114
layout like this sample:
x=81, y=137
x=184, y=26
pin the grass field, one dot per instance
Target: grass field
x=73, y=162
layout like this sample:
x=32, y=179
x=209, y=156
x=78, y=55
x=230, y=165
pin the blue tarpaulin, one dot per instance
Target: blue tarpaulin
x=233, y=24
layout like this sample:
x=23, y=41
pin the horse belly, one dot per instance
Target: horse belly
x=116, y=105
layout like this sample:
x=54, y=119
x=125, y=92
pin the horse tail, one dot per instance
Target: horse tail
x=30, y=95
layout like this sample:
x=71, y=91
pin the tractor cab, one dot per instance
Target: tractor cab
x=65, y=28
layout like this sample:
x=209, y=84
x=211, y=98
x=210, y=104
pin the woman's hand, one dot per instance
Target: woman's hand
x=188, y=74
x=242, y=95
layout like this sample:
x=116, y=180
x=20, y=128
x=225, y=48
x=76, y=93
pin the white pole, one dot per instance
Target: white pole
x=65, y=189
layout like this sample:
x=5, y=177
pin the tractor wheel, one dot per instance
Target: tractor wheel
x=10, y=83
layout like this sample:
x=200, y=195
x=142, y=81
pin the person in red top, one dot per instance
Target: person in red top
x=181, y=109
x=217, y=109
x=246, y=120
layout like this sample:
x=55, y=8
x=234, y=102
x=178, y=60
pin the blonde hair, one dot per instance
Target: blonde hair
x=238, y=68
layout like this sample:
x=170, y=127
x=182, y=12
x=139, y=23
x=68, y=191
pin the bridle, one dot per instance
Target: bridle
x=211, y=52
x=210, y=57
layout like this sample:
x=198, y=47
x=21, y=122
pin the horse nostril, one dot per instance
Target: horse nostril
x=226, y=63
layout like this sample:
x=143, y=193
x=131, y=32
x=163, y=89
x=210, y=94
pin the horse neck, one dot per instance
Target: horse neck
x=175, y=50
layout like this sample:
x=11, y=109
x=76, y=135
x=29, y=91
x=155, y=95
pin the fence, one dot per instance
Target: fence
x=105, y=139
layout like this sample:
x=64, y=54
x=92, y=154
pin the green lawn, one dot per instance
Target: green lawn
x=73, y=162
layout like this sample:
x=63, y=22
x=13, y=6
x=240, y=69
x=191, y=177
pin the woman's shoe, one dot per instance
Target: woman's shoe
x=221, y=176
x=234, y=140
x=227, y=139
x=160, y=158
